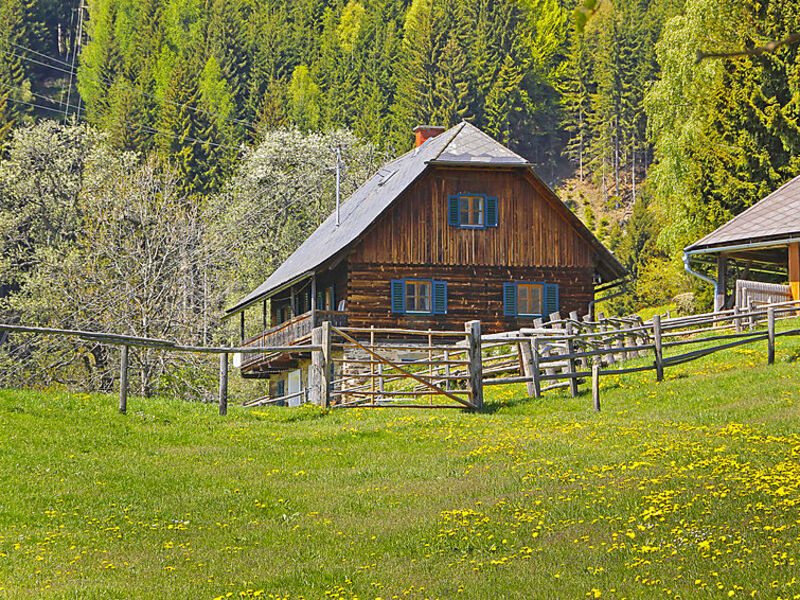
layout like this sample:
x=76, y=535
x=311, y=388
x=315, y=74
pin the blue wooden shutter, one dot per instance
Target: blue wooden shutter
x=510, y=299
x=452, y=210
x=398, y=296
x=333, y=298
x=440, y=297
x=281, y=389
x=320, y=301
x=491, y=212
x=550, y=298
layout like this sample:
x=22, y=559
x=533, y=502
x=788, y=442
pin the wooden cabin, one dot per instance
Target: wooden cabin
x=756, y=255
x=459, y=228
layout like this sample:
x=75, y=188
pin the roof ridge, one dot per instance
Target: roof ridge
x=460, y=126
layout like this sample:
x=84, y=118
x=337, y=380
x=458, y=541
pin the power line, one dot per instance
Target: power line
x=11, y=87
x=178, y=136
x=47, y=56
x=109, y=83
x=130, y=125
x=75, y=46
x=58, y=110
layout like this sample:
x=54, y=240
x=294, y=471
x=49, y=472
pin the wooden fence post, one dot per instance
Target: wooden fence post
x=573, y=381
x=473, y=330
x=628, y=340
x=123, y=380
x=537, y=384
x=737, y=321
x=320, y=372
x=526, y=358
x=658, y=350
x=642, y=337
x=770, y=335
x=223, y=384
x=596, y=383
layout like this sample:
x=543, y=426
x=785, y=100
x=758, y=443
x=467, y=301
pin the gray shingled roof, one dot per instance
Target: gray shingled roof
x=463, y=143
x=471, y=145
x=774, y=217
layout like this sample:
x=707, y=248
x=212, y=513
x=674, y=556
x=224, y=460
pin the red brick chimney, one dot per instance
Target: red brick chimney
x=422, y=133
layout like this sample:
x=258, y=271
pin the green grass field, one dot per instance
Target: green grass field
x=685, y=489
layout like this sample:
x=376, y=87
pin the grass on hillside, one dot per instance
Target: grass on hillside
x=684, y=489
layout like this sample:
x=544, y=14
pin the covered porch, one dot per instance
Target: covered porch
x=756, y=253
x=295, y=331
x=756, y=271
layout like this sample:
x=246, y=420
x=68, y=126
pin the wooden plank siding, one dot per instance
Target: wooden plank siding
x=532, y=242
x=530, y=231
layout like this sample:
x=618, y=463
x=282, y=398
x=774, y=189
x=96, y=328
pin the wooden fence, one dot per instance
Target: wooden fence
x=405, y=368
x=568, y=352
x=126, y=342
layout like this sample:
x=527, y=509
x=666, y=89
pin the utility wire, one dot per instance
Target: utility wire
x=53, y=100
x=112, y=84
x=76, y=42
x=34, y=105
x=130, y=125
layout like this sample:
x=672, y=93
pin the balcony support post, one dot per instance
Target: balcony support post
x=314, y=306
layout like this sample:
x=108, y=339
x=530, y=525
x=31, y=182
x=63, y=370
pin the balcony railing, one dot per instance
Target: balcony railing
x=292, y=332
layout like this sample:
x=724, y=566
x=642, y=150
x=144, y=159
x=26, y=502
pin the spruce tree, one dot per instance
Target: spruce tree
x=14, y=82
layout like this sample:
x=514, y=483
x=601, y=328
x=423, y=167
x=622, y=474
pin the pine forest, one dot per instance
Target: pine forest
x=160, y=149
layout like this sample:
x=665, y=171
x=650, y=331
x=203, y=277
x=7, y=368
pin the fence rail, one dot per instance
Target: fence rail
x=561, y=349
x=379, y=368
x=127, y=341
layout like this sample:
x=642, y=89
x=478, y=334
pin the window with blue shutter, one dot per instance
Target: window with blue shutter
x=440, y=297
x=510, y=299
x=491, y=212
x=550, y=298
x=398, y=296
x=529, y=299
x=452, y=210
x=472, y=211
x=419, y=296
x=281, y=389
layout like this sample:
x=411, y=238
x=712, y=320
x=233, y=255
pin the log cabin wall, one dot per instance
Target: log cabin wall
x=530, y=230
x=473, y=292
x=532, y=242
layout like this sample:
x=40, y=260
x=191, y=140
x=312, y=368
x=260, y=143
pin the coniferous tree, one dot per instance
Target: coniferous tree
x=14, y=83
x=417, y=70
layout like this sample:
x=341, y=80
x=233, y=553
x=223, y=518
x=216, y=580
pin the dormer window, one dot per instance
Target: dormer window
x=472, y=211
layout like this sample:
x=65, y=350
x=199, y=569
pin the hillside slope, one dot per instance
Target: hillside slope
x=687, y=488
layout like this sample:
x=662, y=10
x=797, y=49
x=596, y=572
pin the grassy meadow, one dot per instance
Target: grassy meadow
x=685, y=489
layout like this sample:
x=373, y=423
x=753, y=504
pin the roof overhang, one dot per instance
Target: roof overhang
x=243, y=306
x=755, y=250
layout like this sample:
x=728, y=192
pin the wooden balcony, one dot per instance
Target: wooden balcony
x=293, y=331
